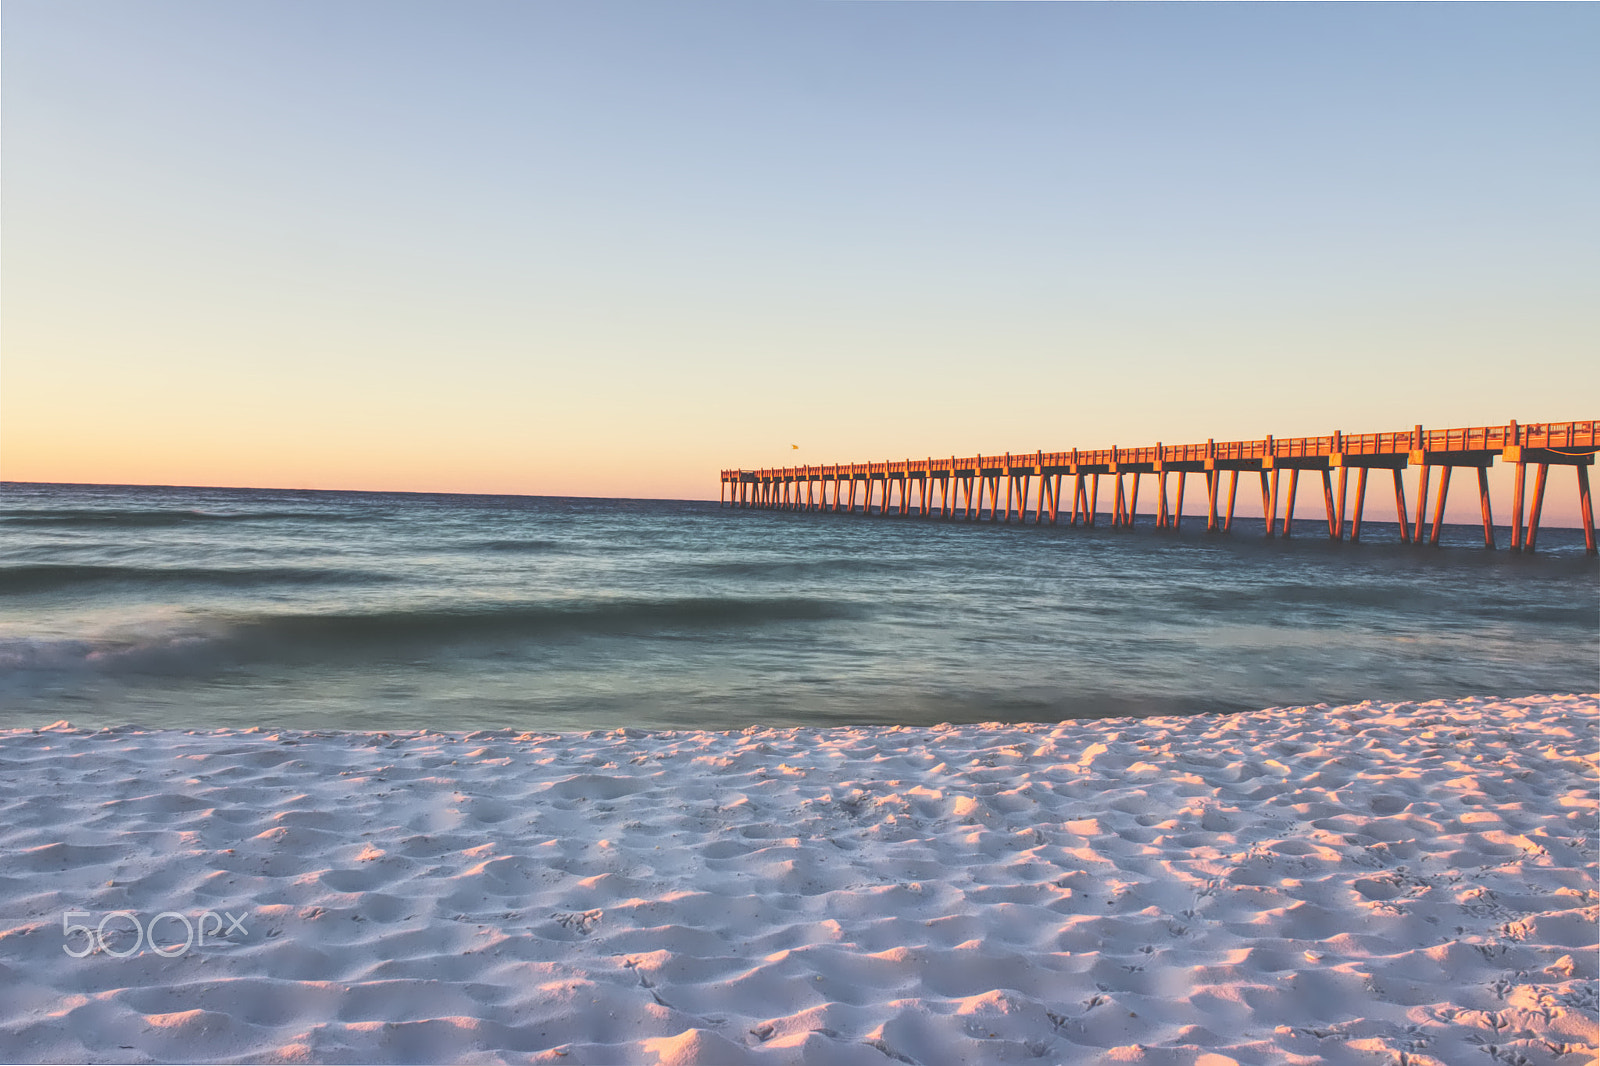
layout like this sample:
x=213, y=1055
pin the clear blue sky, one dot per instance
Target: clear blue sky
x=485, y=245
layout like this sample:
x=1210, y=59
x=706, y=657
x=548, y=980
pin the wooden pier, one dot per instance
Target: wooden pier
x=962, y=489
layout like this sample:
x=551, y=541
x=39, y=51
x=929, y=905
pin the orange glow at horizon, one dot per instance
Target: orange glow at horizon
x=616, y=472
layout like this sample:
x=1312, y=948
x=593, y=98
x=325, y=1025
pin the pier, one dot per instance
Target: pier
x=970, y=489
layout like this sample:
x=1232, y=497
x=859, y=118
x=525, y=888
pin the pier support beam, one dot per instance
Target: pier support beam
x=1422, y=501
x=1438, y=509
x=1272, y=502
x=1400, y=507
x=1537, y=506
x=1361, y=504
x=1335, y=525
x=1519, y=481
x=1586, y=506
x=1339, y=519
x=1488, y=512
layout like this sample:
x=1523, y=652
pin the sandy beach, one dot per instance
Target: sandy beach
x=1373, y=883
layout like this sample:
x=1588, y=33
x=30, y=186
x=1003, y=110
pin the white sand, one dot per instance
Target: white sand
x=1379, y=883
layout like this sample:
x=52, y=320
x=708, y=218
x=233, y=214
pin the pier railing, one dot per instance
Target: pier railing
x=963, y=484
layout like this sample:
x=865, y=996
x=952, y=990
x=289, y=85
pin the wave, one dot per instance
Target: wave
x=1286, y=595
x=154, y=518
x=1373, y=600
x=800, y=568
x=211, y=644
x=511, y=545
x=620, y=616
x=53, y=577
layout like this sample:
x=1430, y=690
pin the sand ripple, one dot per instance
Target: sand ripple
x=1377, y=883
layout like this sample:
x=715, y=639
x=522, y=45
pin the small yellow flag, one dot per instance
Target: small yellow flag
x=796, y=447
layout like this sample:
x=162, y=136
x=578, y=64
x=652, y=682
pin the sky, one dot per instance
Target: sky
x=608, y=249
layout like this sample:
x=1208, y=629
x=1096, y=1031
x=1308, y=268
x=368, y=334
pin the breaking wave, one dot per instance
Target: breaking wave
x=54, y=577
x=211, y=643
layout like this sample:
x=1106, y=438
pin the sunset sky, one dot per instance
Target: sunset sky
x=610, y=248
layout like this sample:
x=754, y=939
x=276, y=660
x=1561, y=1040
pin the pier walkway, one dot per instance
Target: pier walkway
x=970, y=489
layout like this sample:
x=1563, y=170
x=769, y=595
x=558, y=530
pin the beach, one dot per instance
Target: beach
x=1398, y=882
x=875, y=534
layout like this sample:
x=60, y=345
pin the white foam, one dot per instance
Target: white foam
x=1347, y=884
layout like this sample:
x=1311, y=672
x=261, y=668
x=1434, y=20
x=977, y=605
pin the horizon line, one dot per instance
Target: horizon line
x=518, y=495
x=374, y=492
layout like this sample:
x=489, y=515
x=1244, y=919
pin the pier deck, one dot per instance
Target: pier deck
x=957, y=488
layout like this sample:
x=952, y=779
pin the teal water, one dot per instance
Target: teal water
x=199, y=608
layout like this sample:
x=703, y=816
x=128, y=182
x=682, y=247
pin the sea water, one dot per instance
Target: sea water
x=202, y=608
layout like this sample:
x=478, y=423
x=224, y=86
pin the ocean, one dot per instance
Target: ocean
x=197, y=608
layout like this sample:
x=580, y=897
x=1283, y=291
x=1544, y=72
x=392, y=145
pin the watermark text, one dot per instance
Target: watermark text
x=121, y=934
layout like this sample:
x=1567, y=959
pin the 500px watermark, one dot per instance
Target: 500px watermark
x=118, y=926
